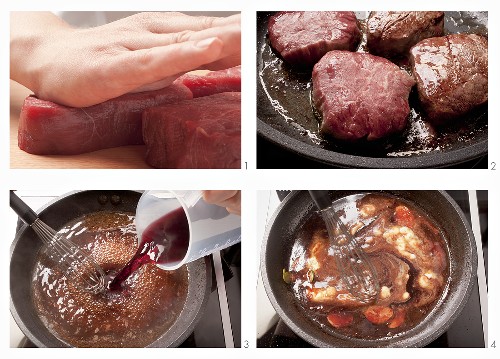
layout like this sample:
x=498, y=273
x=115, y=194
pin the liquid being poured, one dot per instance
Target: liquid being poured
x=165, y=241
x=144, y=308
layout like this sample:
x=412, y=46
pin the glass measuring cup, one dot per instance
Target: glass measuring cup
x=198, y=228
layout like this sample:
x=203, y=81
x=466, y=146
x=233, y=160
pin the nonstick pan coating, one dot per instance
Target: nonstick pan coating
x=57, y=213
x=274, y=127
x=291, y=215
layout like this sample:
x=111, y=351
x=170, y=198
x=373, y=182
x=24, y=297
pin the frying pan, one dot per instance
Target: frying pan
x=57, y=213
x=281, y=131
x=291, y=215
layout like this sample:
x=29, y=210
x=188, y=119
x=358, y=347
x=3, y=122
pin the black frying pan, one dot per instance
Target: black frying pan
x=57, y=213
x=297, y=132
x=291, y=215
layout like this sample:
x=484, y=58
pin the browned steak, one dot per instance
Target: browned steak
x=451, y=74
x=303, y=37
x=360, y=95
x=393, y=33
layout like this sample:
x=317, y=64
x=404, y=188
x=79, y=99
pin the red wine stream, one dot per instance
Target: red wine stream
x=164, y=241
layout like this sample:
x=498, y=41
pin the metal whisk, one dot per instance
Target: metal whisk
x=73, y=259
x=356, y=270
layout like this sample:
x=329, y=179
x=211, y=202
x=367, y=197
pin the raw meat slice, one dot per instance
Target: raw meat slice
x=228, y=80
x=46, y=128
x=200, y=133
x=393, y=33
x=360, y=95
x=451, y=74
x=303, y=37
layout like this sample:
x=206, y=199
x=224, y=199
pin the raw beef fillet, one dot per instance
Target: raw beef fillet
x=213, y=82
x=393, y=33
x=451, y=74
x=303, y=37
x=46, y=128
x=360, y=95
x=200, y=133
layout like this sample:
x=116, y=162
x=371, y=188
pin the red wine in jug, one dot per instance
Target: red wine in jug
x=164, y=241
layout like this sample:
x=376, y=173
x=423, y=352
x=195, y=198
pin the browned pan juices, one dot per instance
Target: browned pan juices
x=289, y=108
x=134, y=316
x=408, y=250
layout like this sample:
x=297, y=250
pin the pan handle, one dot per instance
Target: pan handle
x=321, y=198
x=22, y=209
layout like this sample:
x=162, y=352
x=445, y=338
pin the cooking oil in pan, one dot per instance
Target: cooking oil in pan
x=285, y=104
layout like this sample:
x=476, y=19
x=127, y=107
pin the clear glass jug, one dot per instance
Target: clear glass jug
x=211, y=227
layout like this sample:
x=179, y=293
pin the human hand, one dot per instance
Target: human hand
x=146, y=51
x=231, y=200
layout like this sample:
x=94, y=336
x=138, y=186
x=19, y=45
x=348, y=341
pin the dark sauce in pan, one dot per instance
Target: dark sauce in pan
x=311, y=272
x=290, y=109
x=165, y=241
x=135, y=315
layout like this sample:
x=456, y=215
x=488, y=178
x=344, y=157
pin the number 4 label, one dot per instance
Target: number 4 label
x=493, y=345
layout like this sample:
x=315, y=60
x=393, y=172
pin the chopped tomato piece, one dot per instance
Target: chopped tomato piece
x=378, y=314
x=339, y=320
x=404, y=217
x=398, y=319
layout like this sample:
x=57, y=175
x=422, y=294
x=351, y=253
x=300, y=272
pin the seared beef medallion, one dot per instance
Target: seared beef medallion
x=452, y=75
x=393, y=33
x=303, y=37
x=360, y=95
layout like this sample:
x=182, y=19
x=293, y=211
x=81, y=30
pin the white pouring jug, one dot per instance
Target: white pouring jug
x=211, y=227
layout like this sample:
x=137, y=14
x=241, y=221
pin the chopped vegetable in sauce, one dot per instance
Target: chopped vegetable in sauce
x=407, y=249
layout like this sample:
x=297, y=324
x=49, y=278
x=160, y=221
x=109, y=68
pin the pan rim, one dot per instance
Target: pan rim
x=434, y=159
x=420, y=342
x=205, y=280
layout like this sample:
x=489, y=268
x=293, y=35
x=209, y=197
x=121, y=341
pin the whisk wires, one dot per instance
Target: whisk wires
x=357, y=272
x=71, y=257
